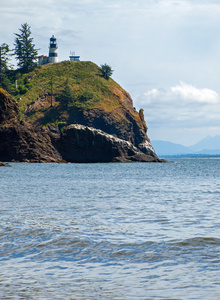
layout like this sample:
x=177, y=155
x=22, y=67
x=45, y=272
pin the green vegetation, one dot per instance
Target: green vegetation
x=26, y=54
x=76, y=86
x=5, y=67
x=56, y=93
x=61, y=125
x=25, y=51
x=106, y=71
x=66, y=97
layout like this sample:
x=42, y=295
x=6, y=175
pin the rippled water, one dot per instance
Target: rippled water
x=110, y=231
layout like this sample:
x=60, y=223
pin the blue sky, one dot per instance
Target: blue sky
x=165, y=53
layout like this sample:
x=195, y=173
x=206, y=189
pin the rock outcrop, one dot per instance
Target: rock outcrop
x=123, y=122
x=96, y=102
x=9, y=111
x=80, y=143
x=128, y=127
x=4, y=164
x=22, y=142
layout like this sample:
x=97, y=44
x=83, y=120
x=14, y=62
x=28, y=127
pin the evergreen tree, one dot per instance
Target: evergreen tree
x=66, y=97
x=106, y=71
x=4, y=66
x=25, y=51
x=4, y=57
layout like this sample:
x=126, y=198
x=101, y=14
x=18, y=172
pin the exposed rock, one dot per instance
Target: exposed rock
x=77, y=143
x=121, y=122
x=85, y=144
x=110, y=107
x=9, y=111
x=4, y=164
x=20, y=142
x=141, y=115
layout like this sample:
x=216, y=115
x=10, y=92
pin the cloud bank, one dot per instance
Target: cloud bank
x=186, y=93
x=181, y=103
x=181, y=109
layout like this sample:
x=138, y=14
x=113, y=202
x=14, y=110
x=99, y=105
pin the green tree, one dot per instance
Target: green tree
x=4, y=66
x=4, y=57
x=66, y=97
x=25, y=51
x=106, y=71
x=5, y=83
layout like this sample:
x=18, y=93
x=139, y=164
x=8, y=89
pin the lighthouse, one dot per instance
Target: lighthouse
x=53, y=55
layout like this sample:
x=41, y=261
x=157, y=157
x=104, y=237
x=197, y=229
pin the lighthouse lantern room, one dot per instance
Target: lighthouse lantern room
x=53, y=55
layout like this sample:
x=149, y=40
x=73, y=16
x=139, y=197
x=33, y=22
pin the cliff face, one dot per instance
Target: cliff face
x=110, y=128
x=22, y=143
x=9, y=111
x=19, y=141
x=80, y=143
x=97, y=102
x=123, y=122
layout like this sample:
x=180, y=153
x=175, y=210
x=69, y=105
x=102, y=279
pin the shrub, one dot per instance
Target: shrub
x=22, y=89
x=106, y=71
x=86, y=96
x=66, y=97
x=61, y=125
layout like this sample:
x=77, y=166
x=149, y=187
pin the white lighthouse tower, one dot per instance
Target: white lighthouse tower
x=53, y=55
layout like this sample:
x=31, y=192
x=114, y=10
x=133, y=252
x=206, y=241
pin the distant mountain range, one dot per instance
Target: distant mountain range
x=207, y=146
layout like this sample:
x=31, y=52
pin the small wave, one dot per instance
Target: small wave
x=212, y=192
x=199, y=241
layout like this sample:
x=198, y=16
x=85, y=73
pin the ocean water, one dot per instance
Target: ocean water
x=110, y=231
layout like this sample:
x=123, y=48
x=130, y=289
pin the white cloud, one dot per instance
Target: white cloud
x=193, y=94
x=179, y=111
x=182, y=105
x=187, y=93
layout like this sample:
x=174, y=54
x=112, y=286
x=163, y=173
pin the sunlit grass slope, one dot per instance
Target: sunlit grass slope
x=90, y=91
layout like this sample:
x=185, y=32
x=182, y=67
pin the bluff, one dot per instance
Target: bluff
x=99, y=124
x=9, y=110
x=81, y=143
x=96, y=102
x=19, y=140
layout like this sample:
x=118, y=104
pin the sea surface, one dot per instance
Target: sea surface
x=110, y=231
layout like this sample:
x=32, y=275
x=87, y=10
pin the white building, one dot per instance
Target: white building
x=53, y=53
x=74, y=57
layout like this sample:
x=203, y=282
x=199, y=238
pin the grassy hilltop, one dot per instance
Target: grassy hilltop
x=95, y=101
x=89, y=91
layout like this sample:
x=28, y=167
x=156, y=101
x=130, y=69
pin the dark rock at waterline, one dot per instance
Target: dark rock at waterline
x=4, y=164
x=22, y=142
x=82, y=144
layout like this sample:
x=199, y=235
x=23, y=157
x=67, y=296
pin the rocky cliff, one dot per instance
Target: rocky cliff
x=20, y=141
x=106, y=129
x=96, y=102
x=81, y=143
x=9, y=110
